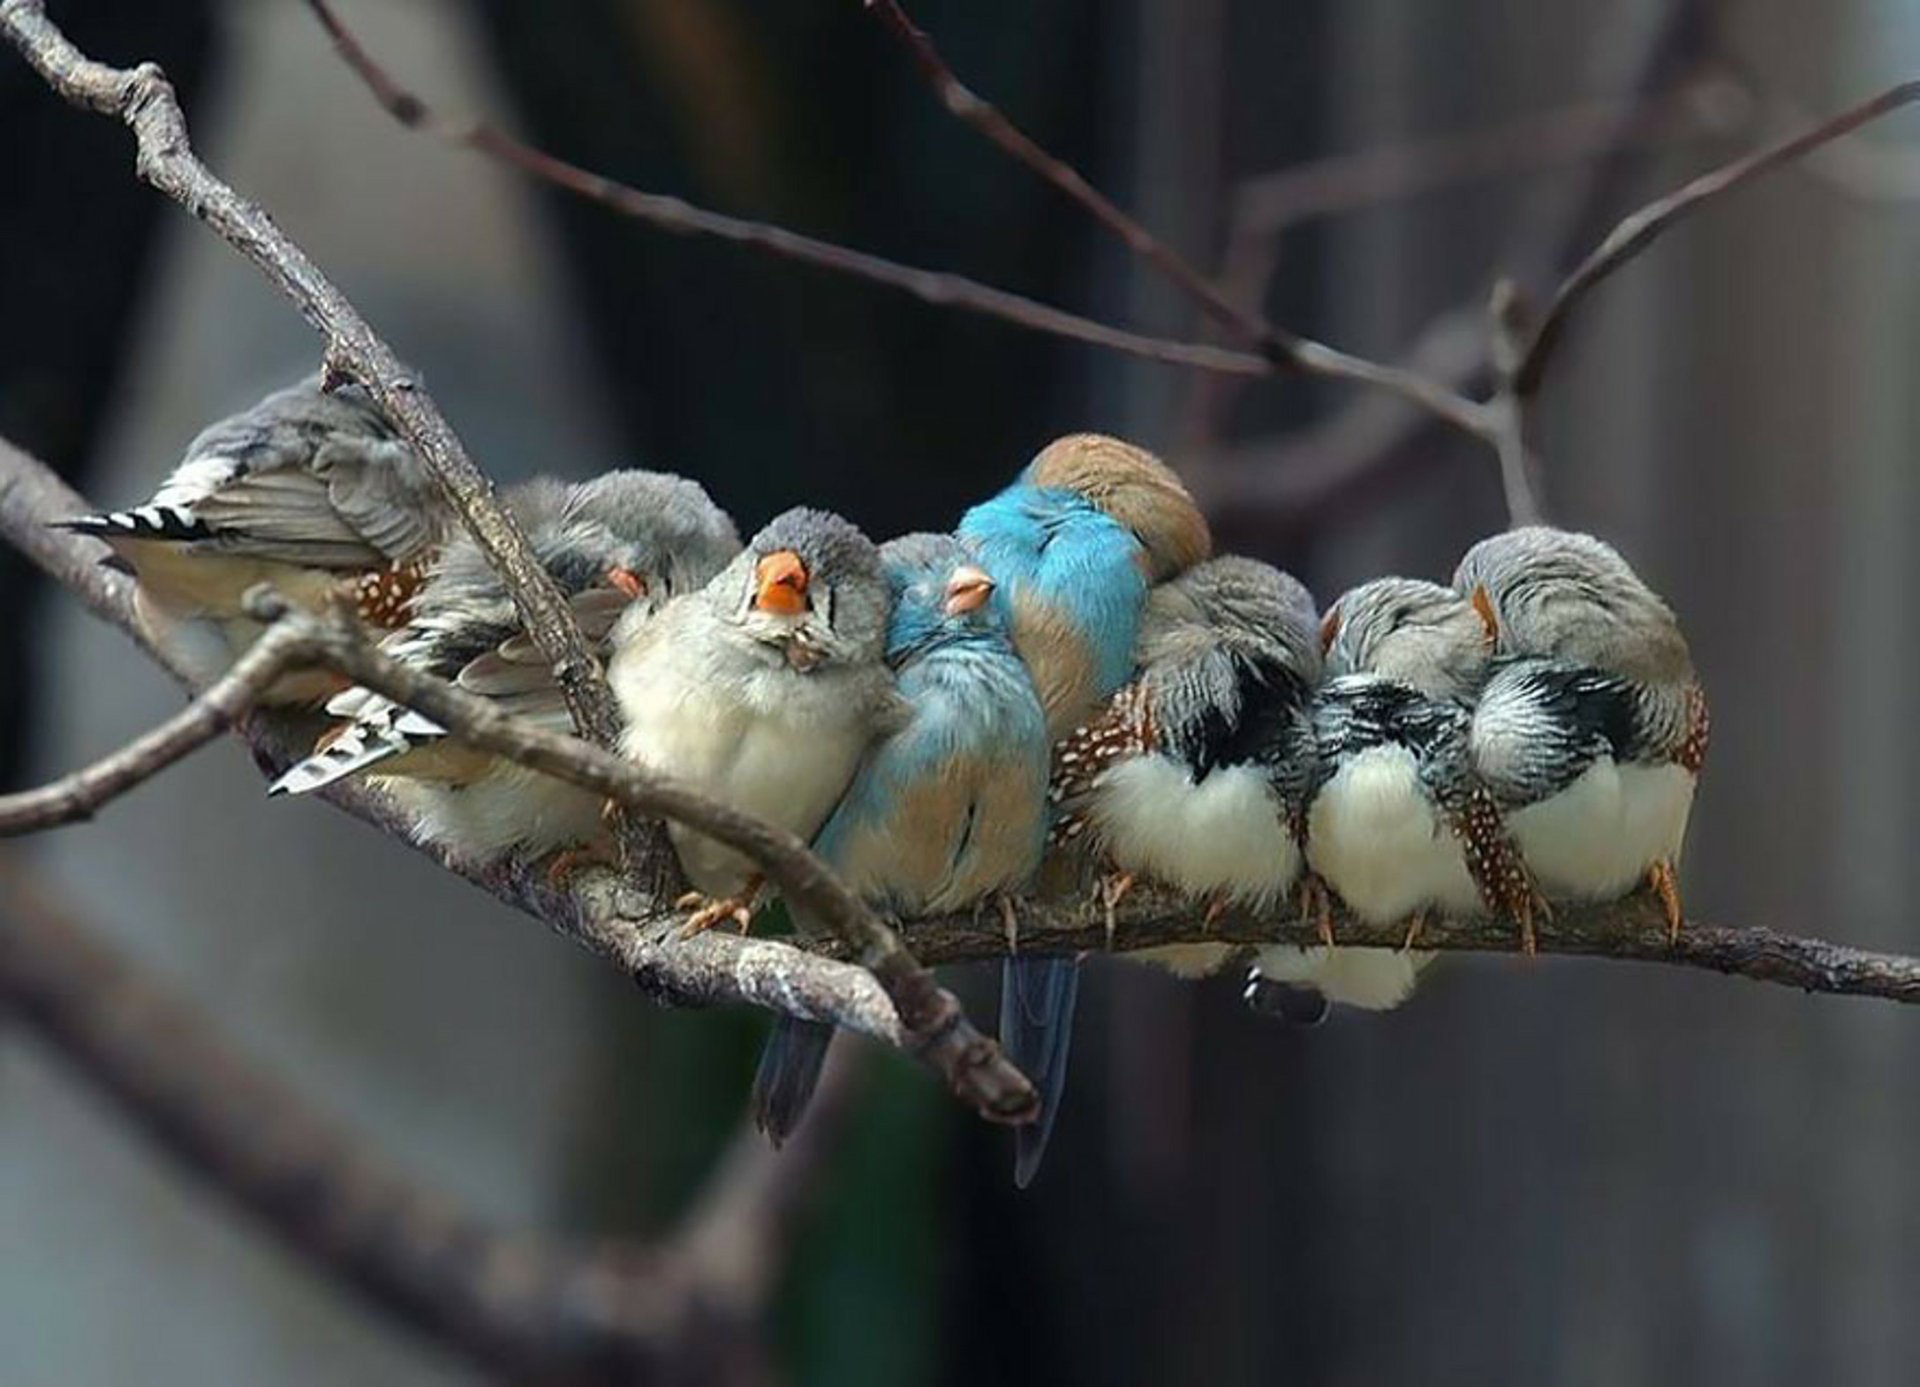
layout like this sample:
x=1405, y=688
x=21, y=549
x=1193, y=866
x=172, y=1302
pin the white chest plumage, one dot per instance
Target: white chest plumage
x=1225, y=835
x=1375, y=836
x=1596, y=839
x=776, y=744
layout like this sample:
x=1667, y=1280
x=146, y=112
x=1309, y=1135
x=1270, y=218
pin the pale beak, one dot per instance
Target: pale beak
x=1329, y=628
x=627, y=581
x=967, y=590
x=780, y=584
x=1483, y=605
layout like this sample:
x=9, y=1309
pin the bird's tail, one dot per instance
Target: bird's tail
x=789, y=1072
x=382, y=732
x=1037, y=996
x=167, y=523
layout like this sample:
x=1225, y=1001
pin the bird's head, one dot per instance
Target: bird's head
x=1250, y=603
x=1571, y=596
x=1135, y=489
x=648, y=535
x=941, y=595
x=810, y=588
x=1407, y=629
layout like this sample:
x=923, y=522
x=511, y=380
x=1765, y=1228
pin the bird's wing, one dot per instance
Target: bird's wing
x=1540, y=723
x=520, y=679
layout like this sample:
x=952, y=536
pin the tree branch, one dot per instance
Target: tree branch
x=1640, y=229
x=513, y=1305
x=1286, y=350
x=615, y=919
x=889, y=996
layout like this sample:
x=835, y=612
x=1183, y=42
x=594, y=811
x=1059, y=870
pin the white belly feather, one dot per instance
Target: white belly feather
x=1225, y=836
x=1377, y=839
x=782, y=749
x=1596, y=838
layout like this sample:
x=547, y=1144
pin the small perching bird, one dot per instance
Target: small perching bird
x=623, y=543
x=763, y=689
x=1396, y=824
x=1593, y=727
x=1195, y=774
x=948, y=809
x=1077, y=539
x=311, y=491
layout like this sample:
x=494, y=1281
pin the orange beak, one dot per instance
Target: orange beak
x=1329, y=628
x=780, y=584
x=967, y=590
x=1483, y=604
x=627, y=581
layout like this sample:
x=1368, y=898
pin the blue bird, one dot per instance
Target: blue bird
x=946, y=810
x=1078, y=538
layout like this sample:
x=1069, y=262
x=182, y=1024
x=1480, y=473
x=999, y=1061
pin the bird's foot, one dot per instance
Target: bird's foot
x=1415, y=923
x=1531, y=908
x=1666, y=886
x=709, y=911
x=1215, y=909
x=568, y=863
x=1316, y=903
x=1009, y=919
x=1111, y=891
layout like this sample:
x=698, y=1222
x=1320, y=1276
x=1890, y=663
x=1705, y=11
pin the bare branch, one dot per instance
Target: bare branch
x=143, y=99
x=1507, y=411
x=1286, y=350
x=682, y=218
x=609, y=916
x=519, y=1305
x=223, y=702
x=889, y=996
x=1639, y=230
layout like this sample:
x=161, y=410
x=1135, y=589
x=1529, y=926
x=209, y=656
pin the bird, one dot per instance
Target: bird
x=622, y=543
x=1077, y=539
x=1195, y=773
x=1395, y=823
x=763, y=689
x=310, y=490
x=948, y=809
x=1593, y=726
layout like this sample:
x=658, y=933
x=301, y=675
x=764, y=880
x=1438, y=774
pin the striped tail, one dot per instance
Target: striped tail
x=358, y=746
x=167, y=523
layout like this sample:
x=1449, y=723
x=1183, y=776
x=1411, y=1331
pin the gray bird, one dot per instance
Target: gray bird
x=764, y=689
x=1195, y=774
x=1396, y=824
x=1593, y=728
x=620, y=545
x=311, y=491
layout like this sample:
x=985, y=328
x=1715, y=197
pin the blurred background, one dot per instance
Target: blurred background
x=1536, y=1173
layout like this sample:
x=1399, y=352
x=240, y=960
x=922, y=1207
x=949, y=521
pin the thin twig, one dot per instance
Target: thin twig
x=1283, y=348
x=219, y=706
x=682, y=218
x=1508, y=411
x=1639, y=230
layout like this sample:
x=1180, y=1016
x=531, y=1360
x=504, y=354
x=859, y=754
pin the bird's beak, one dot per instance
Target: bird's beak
x=780, y=584
x=1483, y=604
x=627, y=581
x=967, y=590
x=1329, y=628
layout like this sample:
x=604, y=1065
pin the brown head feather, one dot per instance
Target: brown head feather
x=1136, y=489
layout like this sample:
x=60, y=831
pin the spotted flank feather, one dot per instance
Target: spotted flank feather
x=1124, y=729
x=1692, y=754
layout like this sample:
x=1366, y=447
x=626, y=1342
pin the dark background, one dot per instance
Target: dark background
x=1537, y=1173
